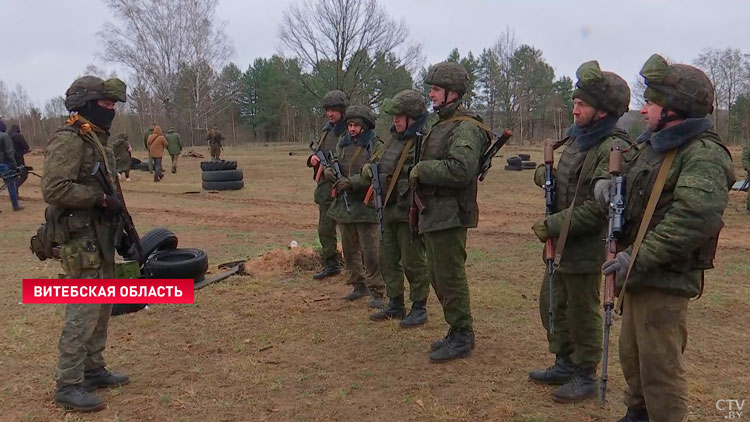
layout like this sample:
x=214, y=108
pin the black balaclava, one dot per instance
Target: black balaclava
x=98, y=115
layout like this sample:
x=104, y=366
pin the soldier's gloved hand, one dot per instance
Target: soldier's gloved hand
x=313, y=160
x=540, y=175
x=540, y=229
x=111, y=206
x=329, y=175
x=342, y=184
x=601, y=192
x=414, y=177
x=618, y=265
x=366, y=172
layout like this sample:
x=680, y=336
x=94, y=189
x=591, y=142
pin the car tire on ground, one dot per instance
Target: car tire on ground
x=513, y=168
x=157, y=239
x=221, y=175
x=224, y=185
x=524, y=157
x=178, y=263
x=514, y=161
x=218, y=165
x=126, y=308
x=528, y=165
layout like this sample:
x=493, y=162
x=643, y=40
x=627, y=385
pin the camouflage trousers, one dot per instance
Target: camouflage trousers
x=446, y=260
x=326, y=232
x=174, y=157
x=360, y=243
x=400, y=255
x=84, y=331
x=652, y=341
x=215, y=151
x=578, y=319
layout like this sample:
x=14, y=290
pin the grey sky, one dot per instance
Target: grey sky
x=46, y=43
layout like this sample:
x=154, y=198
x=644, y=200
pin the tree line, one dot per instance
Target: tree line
x=176, y=57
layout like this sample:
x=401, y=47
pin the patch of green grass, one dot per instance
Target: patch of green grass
x=164, y=398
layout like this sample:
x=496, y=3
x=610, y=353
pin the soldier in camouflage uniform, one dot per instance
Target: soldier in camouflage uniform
x=600, y=98
x=334, y=103
x=121, y=148
x=446, y=180
x=214, y=138
x=359, y=225
x=680, y=239
x=746, y=166
x=399, y=254
x=85, y=221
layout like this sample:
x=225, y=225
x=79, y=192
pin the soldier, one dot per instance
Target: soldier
x=746, y=166
x=665, y=262
x=358, y=225
x=84, y=220
x=174, y=146
x=398, y=253
x=334, y=103
x=600, y=98
x=446, y=180
x=122, y=149
x=8, y=164
x=214, y=138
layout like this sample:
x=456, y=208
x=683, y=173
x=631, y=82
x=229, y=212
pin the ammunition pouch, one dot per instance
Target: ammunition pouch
x=707, y=252
x=40, y=245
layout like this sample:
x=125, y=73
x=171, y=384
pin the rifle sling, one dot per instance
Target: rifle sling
x=397, y=172
x=564, y=230
x=656, y=191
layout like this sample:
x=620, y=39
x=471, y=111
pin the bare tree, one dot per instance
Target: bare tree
x=4, y=97
x=637, y=90
x=347, y=34
x=710, y=62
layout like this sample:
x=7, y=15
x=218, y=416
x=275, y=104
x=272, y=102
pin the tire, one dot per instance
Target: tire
x=514, y=161
x=528, y=165
x=221, y=175
x=230, y=185
x=126, y=308
x=178, y=263
x=524, y=157
x=513, y=168
x=157, y=239
x=218, y=165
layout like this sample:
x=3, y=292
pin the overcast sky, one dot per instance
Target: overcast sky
x=47, y=43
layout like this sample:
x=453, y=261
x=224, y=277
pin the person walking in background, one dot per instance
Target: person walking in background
x=8, y=165
x=174, y=146
x=156, y=145
x=121, y=147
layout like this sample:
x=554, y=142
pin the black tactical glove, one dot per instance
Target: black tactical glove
x=111, y=206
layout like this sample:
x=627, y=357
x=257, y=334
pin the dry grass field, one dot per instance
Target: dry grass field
x=277, y=346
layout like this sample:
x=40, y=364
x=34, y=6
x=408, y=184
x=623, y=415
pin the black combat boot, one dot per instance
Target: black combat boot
x=581, y=387
x=359, y=291
x=331, y=268
x=102, y=378
x=376, y=301
x=417, y=316
x=395, y=309
x=458, y=344
x=74, y=396
x=557, y=374
x=437, y=344
x=635, y=415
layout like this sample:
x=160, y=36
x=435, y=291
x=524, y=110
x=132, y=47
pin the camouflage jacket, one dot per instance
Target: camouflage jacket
x=351, y=155
x=174, y=146
x=687, y=216
x=329, y=139
x=448, y=169
x=122, y=155
x=584, y=247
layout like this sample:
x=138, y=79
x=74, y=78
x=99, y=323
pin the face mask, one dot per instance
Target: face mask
x=98, y=115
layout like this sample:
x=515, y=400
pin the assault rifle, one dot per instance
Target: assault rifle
x=337, y=171
x=549, y=246
x=20, y=172
x=129, y=227
x=615, y=229
x=417, y=206
x=375, y=192
x=322, y=165
x=486, y=161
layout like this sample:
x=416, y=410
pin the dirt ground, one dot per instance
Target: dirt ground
x=278, y=346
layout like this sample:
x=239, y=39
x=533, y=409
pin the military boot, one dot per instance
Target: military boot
x=359, y=291
x=437, y=344
x=75, y=396
x=417, y=316
x=102, y=378
x=458, y=344
x=557, y=374
x=635, y=415
x=395, y=309
x=331, y=268
x=581, y=387
x=376, y=301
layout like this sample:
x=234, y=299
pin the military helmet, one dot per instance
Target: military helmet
x=90, y=88
x=362, y=115
x=679, y=87
x=448, y=75
x=336, y=100
x=408, y=102
x=604, y=91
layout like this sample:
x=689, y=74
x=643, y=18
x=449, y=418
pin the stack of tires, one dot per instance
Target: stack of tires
x=520, y=162
x=221, y=175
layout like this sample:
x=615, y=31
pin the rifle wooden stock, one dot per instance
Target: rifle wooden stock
x=369, y=195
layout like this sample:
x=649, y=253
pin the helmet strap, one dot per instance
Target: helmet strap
x=666, y=118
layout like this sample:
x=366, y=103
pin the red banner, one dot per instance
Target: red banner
x=39, y=290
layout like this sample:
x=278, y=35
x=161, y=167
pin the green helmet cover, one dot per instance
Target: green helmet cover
x=604, y=91
x=679, y=87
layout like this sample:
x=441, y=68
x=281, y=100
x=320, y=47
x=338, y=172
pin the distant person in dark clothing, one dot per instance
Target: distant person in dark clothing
x=20, y=148
x=8, y=166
